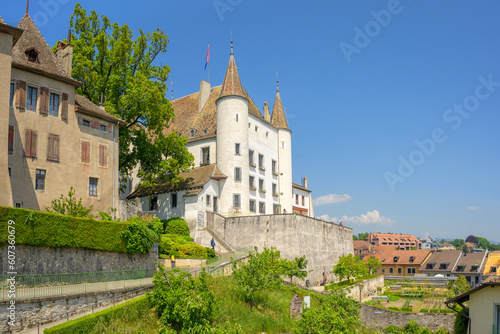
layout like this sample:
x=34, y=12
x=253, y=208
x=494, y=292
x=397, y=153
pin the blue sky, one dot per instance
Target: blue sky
x=394, y=105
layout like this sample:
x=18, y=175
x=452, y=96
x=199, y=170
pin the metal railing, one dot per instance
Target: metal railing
x=30, y=286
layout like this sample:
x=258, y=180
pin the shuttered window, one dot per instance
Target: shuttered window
x=11, y=139
x=31, y=98
x=54, y=105
x=21, y=94
x=44, y=100
x=85, y=156
x=103, y=155
x=30, y=144
x=64, y=106
x=53, y=149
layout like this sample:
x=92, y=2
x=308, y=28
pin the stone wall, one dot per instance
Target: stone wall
x=58, y=260
x=192, y=263
x=378, y=319
x=294, y=235
x=28, y=311
x=369, y=288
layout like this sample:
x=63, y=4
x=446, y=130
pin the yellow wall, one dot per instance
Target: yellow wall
x=482, y=306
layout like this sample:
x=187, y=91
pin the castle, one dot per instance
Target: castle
x=243, y=159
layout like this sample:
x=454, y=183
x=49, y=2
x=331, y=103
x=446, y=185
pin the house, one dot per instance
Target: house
x=362, y=248
x=429, y=242
x=471, y=266
x=404, y=241
x=249, y=154
x=441, y=262
x=492, y=265
x=447, y=245
x=399, y=262
x=483, y=311
x=54, y=138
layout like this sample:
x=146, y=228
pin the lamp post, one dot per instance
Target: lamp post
x=360, y=289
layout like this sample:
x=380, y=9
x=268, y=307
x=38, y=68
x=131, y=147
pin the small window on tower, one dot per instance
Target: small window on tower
x=32, y=55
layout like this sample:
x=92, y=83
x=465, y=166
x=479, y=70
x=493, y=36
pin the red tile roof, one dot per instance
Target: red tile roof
x=388, y=255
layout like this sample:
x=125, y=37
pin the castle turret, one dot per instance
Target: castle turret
x=232, y=142
x=278, y=120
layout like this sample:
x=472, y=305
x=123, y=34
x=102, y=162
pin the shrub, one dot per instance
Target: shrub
x=393, y=308
x=433, y=310
x=141, y=234
x=407, y=309
x=424, y=310
x=176, y=225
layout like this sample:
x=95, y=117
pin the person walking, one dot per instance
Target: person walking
x=212, y=243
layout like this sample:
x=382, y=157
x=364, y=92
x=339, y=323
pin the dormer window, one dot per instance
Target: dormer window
x=32, y=55
x=205, y=131
x=412, y=259
x=193, y=132
x=396, y=258
x=443, y=266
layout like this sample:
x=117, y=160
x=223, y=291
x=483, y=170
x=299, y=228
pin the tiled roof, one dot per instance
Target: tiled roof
x=278, y=118
x=187, y=116
x=439, y=257
x=298, y=186
x=468, y=261
x=360, y=244
x=394, y=237
x=47, y=61
x=391, y=255
x=85, y=106
x=193, y=181
x=232, y=83
x=14, y=31
x=492, y=261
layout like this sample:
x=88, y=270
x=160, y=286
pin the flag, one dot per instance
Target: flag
x=208, y=56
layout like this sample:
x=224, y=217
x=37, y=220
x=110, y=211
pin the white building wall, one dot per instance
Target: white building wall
x=285, y=168
x=303, y=197
x=195, y=148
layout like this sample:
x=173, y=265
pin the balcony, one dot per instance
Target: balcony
x=261, y=190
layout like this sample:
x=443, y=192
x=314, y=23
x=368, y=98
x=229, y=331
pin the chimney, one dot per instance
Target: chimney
x=65, y=54
x=267, y=115
x=204, y=95
x=304, y=182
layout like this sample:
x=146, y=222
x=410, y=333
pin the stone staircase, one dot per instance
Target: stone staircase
x=204, y=237
x=219, y=240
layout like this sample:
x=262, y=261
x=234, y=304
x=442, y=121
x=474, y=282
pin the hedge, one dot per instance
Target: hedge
x=38, y=228
x=176, y=225
x=87, y=323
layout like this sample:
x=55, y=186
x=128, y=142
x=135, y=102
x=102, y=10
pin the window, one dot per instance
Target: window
x=85, y=156
x=153, y=203
x=411, y=270
x=256, y=128
x=297, y=199
x=103, y=155
x=30, y=144
x=19, y=205
x=193, y=132
x=205, y=156
x=261, y=161
x=174, y=200
x=208, y=200
x=236, y=201
x=282, y=144
x=11, y=139
x=237, y=149
x=400, y=271
x=474, y=268
x=251, y=182
x=93, y=186
x=250, y=158
x=53, y=149
x=31, y=99
x=267, y=134
x=303, y=201
x=430, y=266
x=12, y=89
x=54, y=105
x=40, y=179
x=460, y=268
x=493, y=270
x=412, y=259
x=443, y=266
x=237, y=174
x=396, y=258
x=262, y=207
x=261, y=186
x=32, y=55
x=391, y=271
x=383, y=270
x=252, y=205
x=86, y=122
x=274, y=169
x=276, y=209
x=102, y=127
x=236, y=117
x=275, y=189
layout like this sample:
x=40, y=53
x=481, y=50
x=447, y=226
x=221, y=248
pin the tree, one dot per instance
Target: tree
x=458, y=243
x=262, y=271
x=373, y=263
x=183, y=303
x=361, y=236
x=295, y=268
x=122, y=70
x=335, y=314
x=349, y=266
x=472, y=239
x=465, y=249
x=460, y=285
x=70, y=206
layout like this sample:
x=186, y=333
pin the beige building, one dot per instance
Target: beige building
x=52, y=138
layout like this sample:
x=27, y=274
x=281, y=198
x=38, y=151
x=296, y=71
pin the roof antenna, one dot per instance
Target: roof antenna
x=277, y=83
x=27, y=6
x=231, y=43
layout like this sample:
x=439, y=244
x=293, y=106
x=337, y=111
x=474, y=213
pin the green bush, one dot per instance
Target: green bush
x=424, y=310
x=393, y=308
x=38, y=228
x=176, y=225
x=433, y=310
x=407, y=309
x=182, y=246
x=87, y=323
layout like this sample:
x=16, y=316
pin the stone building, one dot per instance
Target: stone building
x=403, y=241
x=243, y=158
x=52, y=138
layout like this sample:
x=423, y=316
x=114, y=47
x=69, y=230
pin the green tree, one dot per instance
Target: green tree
x=335, y=314
x=458, y=243
x=262, y=271
x=465, y=249
x=373, y=263
x=70, y=206
x=295, y=268
x=121, y=70
x=349, y=266
x=184, y=304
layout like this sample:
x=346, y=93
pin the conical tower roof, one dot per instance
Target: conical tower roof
x=1, y=20
x=278, y=118
x=232, y=83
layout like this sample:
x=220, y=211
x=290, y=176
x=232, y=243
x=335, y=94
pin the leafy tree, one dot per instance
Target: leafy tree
x=114, y=66
x=373, y=263
x=458, y=243
x=349, y=266
x=361, y=236
x=70, y=206
x=472, y=239
x=295, y=268
x=465, y=249
x=183, y=303
x=459, y=286
x=142, y=233
x=485, y=244
x=262, y=271
x=335, y=314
